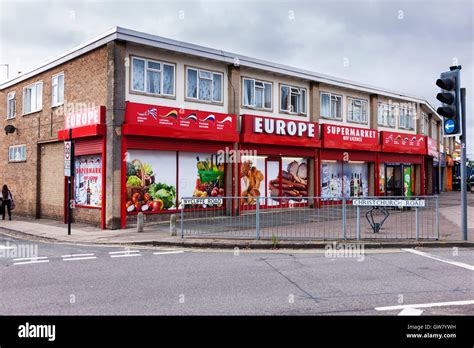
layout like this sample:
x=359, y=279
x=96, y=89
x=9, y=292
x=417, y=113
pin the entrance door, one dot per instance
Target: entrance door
x=273, y=181
x=394, y=184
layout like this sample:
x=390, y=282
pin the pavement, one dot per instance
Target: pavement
x=158, y=234
x=76, y=279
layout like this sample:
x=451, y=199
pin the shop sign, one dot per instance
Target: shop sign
x=278, y=131
x=343, y=137
x=88, y=180
x=175, y=122
x=403, y=143
x=432, y=147
x=389, y=202
x=85, y=117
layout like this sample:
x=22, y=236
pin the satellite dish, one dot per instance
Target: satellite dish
x=10, y=129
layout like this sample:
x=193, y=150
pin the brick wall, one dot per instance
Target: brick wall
x=85, y=81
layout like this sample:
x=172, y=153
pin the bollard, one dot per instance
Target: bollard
x=140, y=222
x=173, y=224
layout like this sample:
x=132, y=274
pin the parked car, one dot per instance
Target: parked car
x=469, y=183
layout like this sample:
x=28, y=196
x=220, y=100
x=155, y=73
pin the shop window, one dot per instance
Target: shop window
x=154, y=178
x=152, y=77
x=33, y=98
x=257, y=94
x=331, y=106
x=386, y=115
x=293, y=100
x=204, y=85
x=405, y=118
x=57, y=90
x=356, y=179
x=17, y=153
x=11, y=105
x=88, y=181
x=357, y=110
x=382, y=178
x=331, y=179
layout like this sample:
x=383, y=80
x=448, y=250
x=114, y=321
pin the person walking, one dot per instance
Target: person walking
x=7, y=202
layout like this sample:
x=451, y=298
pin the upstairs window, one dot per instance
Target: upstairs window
x=204, y=85
x=33, y=98
x=11, y=105
x=331, y=106
x=17, y=153
x=386, y=115
x=293, y=100
x=154, y=77
x=406, y=118
x=357, y=110
x=257, y=94
x=424, y=124
x=57, y=90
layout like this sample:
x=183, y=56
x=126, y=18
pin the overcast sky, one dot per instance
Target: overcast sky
x=399, y=45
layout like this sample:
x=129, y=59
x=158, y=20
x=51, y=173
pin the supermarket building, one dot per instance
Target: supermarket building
x=149, y=117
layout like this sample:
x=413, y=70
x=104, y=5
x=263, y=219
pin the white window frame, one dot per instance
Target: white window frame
x=10, y=97
x=11, y=150
x=39, y=101
x=53, y=84
x=391, y=119
x=199, y=72
x=301, y=91
x=364, y=113
x=424, y=123
x=145, y=81
x=434, y=130
x=331, y=96
x=253, y=102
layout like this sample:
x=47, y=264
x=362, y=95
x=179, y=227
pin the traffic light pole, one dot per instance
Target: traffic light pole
x=463, y=167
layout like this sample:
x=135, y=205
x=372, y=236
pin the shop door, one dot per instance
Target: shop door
x=393, y=175
x=273, y=182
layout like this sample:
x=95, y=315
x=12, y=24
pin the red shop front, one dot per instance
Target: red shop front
x=402, y=165
x=172, y=153
x=278, y=158
x=87, y=129
x=348, y=161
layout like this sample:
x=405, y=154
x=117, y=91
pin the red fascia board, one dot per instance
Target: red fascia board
x=82, y=132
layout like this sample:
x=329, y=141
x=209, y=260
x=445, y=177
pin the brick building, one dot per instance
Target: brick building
x=142, y=108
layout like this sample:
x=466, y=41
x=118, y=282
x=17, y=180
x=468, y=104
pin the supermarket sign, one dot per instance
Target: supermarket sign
x=343, y=137
x=388, y=202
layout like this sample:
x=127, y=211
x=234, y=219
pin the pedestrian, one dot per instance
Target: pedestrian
x=7, y=202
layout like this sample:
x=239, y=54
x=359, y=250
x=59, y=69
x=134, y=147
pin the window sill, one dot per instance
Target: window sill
x=357, y=122
x=10, y=118
x=153, y=95
x=249, y=107
x=283, y=112
x=19, y=161
x=190, y=100
x=386, y=126
x=57, y=105
x=32, y=112
x=331, y=118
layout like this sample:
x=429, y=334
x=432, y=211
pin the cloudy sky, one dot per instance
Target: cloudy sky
x=399, y=45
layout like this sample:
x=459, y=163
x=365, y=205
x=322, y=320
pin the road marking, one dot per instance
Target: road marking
x=442, y=259
x=125, y=255
x=426, y=305
x=124, y=252
x=77, y=255
x=31, y=258
x=79, y=258
x=168, y=252
x=411, y=311
x=29, y=262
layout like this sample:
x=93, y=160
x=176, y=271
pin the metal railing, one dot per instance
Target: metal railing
x=312, y=218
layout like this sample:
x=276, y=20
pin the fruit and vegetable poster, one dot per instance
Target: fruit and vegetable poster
x=153, y=177
x=88, y=181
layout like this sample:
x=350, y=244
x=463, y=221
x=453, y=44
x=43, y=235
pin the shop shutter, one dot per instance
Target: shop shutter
x=166, y=144
x=89, y=146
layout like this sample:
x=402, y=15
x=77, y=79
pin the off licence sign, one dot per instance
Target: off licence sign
x=67, y=158
x=389, y=202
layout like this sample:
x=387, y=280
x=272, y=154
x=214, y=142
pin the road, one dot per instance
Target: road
x=106, y=280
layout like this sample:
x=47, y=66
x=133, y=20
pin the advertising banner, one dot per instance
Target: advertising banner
x=173, y=122
x=88, y=180
x=403, y=143
x=432, y=147
x=352, y=138
x=407, y=192
x=85, y=117
x=278, y=131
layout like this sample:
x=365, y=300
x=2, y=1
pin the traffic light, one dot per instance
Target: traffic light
x=450, y=98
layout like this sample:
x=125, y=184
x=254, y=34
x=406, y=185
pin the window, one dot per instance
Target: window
x=152, y=77
x=331, y=106
x=11, y=106
x=405, y=117
x=257, y=94
x=357, y=110
x=204, y=85
x=293, y=100
x=424, y=124
x=33, y=98
x=434, y=130
x=17, y=153
x=386, y=115
x=57, y=90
